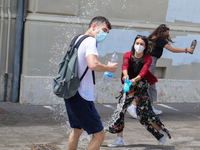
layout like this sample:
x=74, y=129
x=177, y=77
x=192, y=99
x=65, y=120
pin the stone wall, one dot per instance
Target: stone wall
x=49, y=26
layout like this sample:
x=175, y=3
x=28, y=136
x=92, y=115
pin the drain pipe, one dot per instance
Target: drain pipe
x=17, y=52
x=2, y=20
x=7, y=54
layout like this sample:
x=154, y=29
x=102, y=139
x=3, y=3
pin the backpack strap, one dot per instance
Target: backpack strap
x=93, y=75
x=84, y=73
x=80, y=40
x=74, y=40
x=77, y=45
x=72, y=44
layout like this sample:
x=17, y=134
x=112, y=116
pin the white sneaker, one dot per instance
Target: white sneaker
x=163, y=139
x=116, y=143
x=132, y=111
x=157, y=112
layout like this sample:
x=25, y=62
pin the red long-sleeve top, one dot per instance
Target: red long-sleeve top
x=144, y=72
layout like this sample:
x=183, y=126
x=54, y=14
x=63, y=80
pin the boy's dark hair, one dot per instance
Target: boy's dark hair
x=159, y=33
x=100, y=20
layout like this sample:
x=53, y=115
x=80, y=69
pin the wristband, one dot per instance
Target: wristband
x=186, y=50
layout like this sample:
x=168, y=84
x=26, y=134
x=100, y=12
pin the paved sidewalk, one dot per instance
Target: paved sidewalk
x=23, y=127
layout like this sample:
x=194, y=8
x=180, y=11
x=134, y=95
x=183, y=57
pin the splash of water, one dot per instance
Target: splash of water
x=115, y=115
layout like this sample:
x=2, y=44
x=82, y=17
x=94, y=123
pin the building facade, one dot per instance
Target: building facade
x=49, y=25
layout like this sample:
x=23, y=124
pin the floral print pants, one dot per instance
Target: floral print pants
x=139, y=94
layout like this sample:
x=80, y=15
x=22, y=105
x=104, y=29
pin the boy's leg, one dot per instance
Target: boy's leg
x=83, y=115
x=73, y=139
x=97, y=140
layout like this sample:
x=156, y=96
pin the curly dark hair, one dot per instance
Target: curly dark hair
x=159, y=33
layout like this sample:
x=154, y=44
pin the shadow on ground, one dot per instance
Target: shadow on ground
x=145, y=146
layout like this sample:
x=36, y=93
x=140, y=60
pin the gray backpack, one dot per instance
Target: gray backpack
x=67, y=82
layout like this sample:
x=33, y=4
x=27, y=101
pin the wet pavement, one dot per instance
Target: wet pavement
x=26, y=127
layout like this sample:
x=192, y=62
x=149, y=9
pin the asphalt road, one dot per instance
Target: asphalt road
x=24, y=127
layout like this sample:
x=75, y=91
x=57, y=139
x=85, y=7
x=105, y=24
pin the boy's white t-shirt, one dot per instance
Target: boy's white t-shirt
x=87, y=47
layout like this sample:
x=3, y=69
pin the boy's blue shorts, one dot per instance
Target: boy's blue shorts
x=83, y=114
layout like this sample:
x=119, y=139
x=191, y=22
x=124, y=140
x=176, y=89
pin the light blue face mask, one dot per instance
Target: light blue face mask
x=100, y=37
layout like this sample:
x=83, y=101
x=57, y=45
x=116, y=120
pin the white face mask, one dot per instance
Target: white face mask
x=139, y=49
